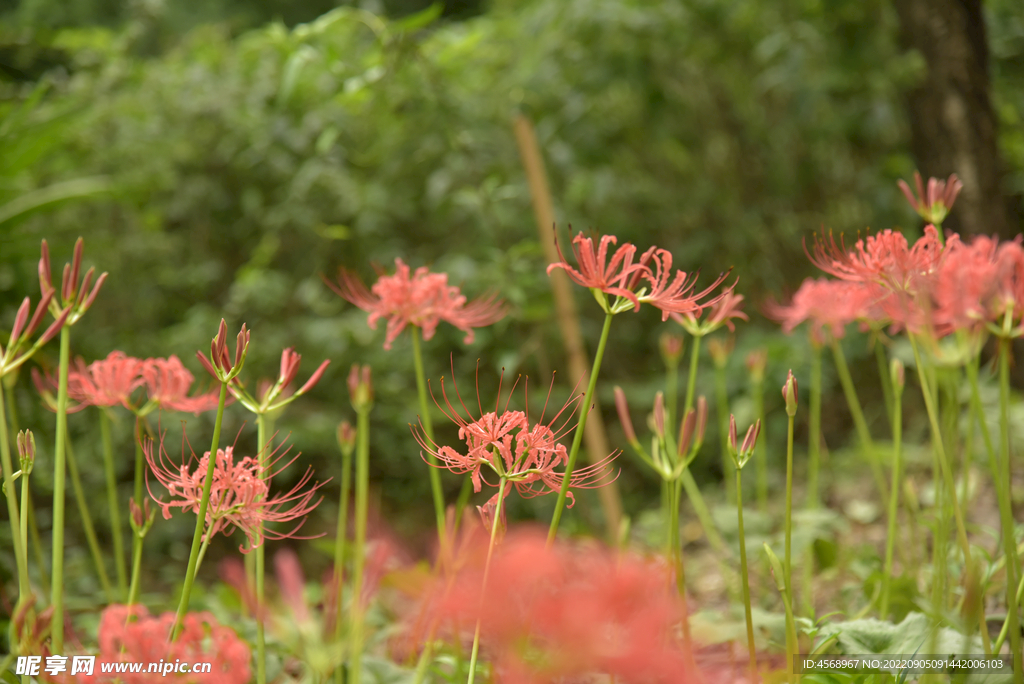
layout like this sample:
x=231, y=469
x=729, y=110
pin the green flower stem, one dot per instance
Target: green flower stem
x=894, y=497
x=863, y=434
x=722, y=415
x=204, y=503
x=359, y=550
x=37, y=542
x=691, y=379
x=487, y=565
x=940, y=452
x=112, y=504
x=23, y=527
x=428, y=428
x=672, y=391
x=577, y=437
x=1001, y=639
x=57, y=557
x=87, y=525
x=745, y=576
x=1005, y=510
x=883, y=374
x=263, y=429
x=140, y=461
x=133, y=589
x=761, y=452
x=20, y=555
x=788, y=560
x=677, y=560
x=339, y=549
x=814, y=431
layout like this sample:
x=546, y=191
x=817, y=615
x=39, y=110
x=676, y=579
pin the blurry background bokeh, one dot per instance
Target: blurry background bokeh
x=220, y=157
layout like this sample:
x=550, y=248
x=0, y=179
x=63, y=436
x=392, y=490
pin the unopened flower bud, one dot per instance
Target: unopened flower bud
x=346, y=437
x=623, y=409
x=671, y=347
x=26, y=450
x=898, y=374
x=686, y=430
x=702, y=418
x=360, y=387
x=750, y=441
x=659, y=414
x=790, y=392
x=720, y=349
x=141, y=517
x=733, y=442
x=757, y=361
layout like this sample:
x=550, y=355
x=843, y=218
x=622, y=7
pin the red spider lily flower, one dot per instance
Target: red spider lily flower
x=144, y=639
x=963, y=293
x=106, y=383
x=566, y=613
x=829, y=306
x=596, y=272
x=884, y=258
x=934, y=204
x=675, y=295
x=167, y=385
x=239, y=497
x=72, y=301
x=721, y=312
x=507, y=443
x=423, y=300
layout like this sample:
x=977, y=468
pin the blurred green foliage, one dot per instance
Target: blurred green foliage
x=245, y=166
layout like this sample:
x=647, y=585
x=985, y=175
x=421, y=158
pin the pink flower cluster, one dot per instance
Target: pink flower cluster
x=564, y=612
x=239, y=497
x=423, y=299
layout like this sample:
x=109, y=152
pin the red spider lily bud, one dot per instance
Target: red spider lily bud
x=37, y=317
x=790, y=393
x=733, y=446
x=241, y=343
x=65, y=283
x=141, y=518
x=314, y=378
x=95, y=291
x=898, y=375
x=751, y=438
x=360, y=388
x=686, y=430
x=671, y=347
x=86, y=282
x=623, y=408
x=659, y=414
x=20, y=319
x=45, y=279
x=757, y=361
x=289, y=366
x=721, y=349
x=934, y=204
x=76, y=265
x=56, y=326
x=26, y=450
x=702, y=418
x=219, y=364
x=346, y=437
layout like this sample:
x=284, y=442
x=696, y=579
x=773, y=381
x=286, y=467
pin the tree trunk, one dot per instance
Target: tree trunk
x=953, y=125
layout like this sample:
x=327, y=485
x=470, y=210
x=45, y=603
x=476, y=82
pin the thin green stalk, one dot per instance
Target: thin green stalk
x=23, y=531
x=894, y=496
x=37, y=542
x=883, y=375
x=487, y=567
x=1001, y=639
x=672, y=391
x=204, y=502
x=1005, y=510
x=940, y=452
x=722, y=414
x=112, y=504
x=814, y=431
x=677, y=559
x=577, y=437
x=761, y=451
x=359, y=550
x=57, y=578
x=863, y=434
x=20, y=555
x=339, y=548
x=133, y=589
x=87, y=526
x=745, y=577
x=788, y=561
x=262, y=441
x=428, y=428
x=140, y=462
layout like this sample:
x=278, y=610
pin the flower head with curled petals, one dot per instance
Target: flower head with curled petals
x=596, y=272
x=167, y=386
x=522, y=453
x=720, y=313
x=829, y=306
x=422, y=299
x=106, y=383
x=239, y=497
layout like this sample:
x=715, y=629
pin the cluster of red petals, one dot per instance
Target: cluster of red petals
x=829, y=306
x=528, y=453
x=105, y=383
x=144, y=639
x=168, y=383
x=239, y=496
x=648, y=280
x=423, y=299
x=564, y=612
